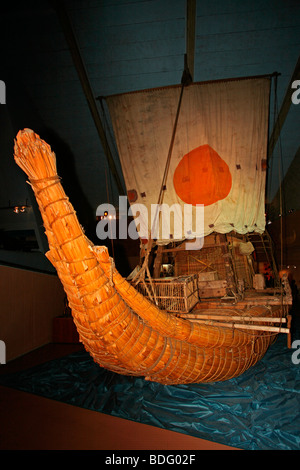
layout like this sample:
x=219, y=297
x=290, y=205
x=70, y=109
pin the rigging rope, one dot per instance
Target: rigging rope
x=145, y=265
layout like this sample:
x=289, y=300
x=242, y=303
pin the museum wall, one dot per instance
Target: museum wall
x=29, y=301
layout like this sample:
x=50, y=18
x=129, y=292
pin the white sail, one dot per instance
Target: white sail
x=219, y=154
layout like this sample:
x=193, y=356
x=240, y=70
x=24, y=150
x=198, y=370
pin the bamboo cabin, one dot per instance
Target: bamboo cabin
x=205, y=304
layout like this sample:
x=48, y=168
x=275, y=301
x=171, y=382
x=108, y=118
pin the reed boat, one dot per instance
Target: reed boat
x=197, y=313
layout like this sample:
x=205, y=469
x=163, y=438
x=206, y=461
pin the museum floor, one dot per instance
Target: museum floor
x=32, y=422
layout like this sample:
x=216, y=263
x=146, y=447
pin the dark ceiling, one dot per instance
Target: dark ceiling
x=58, y=57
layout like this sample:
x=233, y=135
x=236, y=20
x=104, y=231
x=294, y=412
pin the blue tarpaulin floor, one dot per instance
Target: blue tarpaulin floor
x=259, y=410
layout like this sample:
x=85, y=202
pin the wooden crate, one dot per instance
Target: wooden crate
x=174, y=294
x=208, y=289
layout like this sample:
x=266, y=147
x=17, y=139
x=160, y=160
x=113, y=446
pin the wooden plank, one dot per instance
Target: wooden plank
x=230, y=318
x=241, y=326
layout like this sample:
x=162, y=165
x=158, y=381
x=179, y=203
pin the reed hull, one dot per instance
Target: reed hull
x=120, y=328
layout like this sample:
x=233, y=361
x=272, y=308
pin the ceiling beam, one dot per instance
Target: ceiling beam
x=283, y=110
x=68, y=31
x=190, y=35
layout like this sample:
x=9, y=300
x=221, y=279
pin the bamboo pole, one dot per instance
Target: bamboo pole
x=234, y=318
x=274, y=329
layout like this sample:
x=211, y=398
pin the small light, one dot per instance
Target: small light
x=20, y=209
x=105, y=213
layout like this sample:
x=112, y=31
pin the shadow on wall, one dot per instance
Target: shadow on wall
x=21, y=113
x=66, y=170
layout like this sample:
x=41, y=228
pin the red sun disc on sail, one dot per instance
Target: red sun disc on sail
x=202, y=177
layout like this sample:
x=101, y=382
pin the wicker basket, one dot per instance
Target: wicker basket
x=174, y=294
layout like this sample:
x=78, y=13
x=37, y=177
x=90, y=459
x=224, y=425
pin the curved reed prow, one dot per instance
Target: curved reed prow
x=34, y=156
